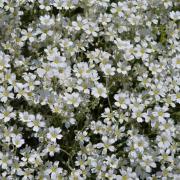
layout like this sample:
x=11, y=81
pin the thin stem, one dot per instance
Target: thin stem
x=66, y=152
x=68, y=159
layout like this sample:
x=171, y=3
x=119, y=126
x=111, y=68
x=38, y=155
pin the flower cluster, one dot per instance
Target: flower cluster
x=89, y=89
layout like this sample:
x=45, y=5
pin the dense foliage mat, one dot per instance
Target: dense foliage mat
x=89, y=89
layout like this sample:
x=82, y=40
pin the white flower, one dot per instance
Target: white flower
x=28, y=35
x=127, y=174
x=41, y=72
x=140, y=143
x=82, y=137
x=46, y=20
x=109, y=116
x=54, y=170
x=141, y=51
x=73, y=99
x=36, y=123
x=176, y=97
x=123, y=68
x=145, y=80
x=6, y=93
x=176, y=62
x=118, y=8
x=76, y=174
x=17, y=140
x=20, y=89
x=92, y=28
x=161, y=113
x=138, y=115
x=82, y=70
x=52, y=148
x=155, y=68
x=164, y=140
x=35, y=159
x=7, y=114
x=80, y=23
x=31, y=81
x=99, y=90
x=157, y=91
x=17, y=166
x=137, y=104
x=106, y=145
x=4, y=61
x=122, y=44
x=5, y=160
x=27, y=173
x=57, y=61
x=122, y=100
x=175, y=15
x=54, y=134
x=108, y=70
x=105, y=19
x=147, y=163
x=25, y=117
x=134, y=19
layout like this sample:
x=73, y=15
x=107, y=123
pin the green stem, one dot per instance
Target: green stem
x=63, y=150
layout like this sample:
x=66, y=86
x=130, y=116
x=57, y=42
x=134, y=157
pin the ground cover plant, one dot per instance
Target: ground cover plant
x=89, y=89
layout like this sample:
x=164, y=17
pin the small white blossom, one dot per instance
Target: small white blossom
x=54, y=134
x=54, y=170
x=73, y=99
x=106, y=144
x=18, y=141
x=7, y=114
x=5, y=160
x=36, y=123
x=99, y=90
x=122, y=100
